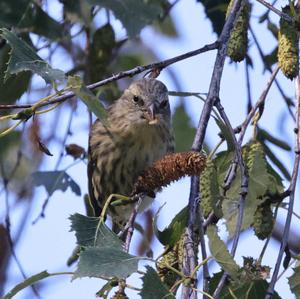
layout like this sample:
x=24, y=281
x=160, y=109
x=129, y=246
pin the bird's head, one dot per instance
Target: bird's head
x=145, y=102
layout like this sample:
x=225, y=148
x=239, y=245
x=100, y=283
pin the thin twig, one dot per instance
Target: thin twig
x=243, y=192
x=242, y=130
x=8, y=233
x=292, y=188
x=260, y=102
x=248, y=84
x=129, y=73
x=128, y=231
x=283, y=15
x=213, y=93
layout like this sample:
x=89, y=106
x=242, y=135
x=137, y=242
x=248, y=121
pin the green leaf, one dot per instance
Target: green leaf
x=263, y=135
x=184, y=131
x=85, y=230
x=170, y=235
x=167, y=27
x=294, y=282
x=24, y=58
x=243, y=288
x=13, y=88
x=261, y=182
x=77, y=11
x=105, y=262
x=225, y=133
x=153, y=288
x=134, y=15
x=55, y=180
x=220, y=252
x=215, y=12
x=102, y=52
x=29, y=16
x=8, y=142
x=27, y=282
x=104, y=291
x=277, y=162
x=87, y=97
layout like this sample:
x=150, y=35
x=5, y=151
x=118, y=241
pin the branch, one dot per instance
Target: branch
x=258, y=104
x=242, y=130
x=213, y=94
x=243, y=192
x=129, y=73
x=291, y=188
x=282, y=15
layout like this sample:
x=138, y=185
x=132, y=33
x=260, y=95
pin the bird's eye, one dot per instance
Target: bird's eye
x=138, y=100
x=164, y=104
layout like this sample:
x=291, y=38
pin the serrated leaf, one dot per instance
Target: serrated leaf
x=170, y=235
x=261, y=182
x=85, y=230
x=13, y=88
x=134, y=15
x=30, y=17
x=241, y=289
x=153, y=288
x=294, y=282
x=27, y=282
x=105, y=262
x=220, y=252
x=55, y=180
x=87, y=97
x=183, y=130
x=24, y=58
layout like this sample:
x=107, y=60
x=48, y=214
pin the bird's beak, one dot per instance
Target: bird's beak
x=152, y=112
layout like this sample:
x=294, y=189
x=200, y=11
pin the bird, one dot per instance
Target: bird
x=137, y=132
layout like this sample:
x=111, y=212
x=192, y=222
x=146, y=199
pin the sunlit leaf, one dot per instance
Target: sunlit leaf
x=105, y=262
x=87, y=97
x=262, y=180
x=220, y=252
x=24, y=58
x=170, y=235
x=294, y=282
x=27, y=282
x=85, y=230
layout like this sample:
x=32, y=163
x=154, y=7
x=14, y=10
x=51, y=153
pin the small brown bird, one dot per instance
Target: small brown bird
x=137, y=132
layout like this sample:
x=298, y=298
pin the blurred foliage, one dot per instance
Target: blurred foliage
x=215, y=11
x=183, y=130
x=85, y=32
